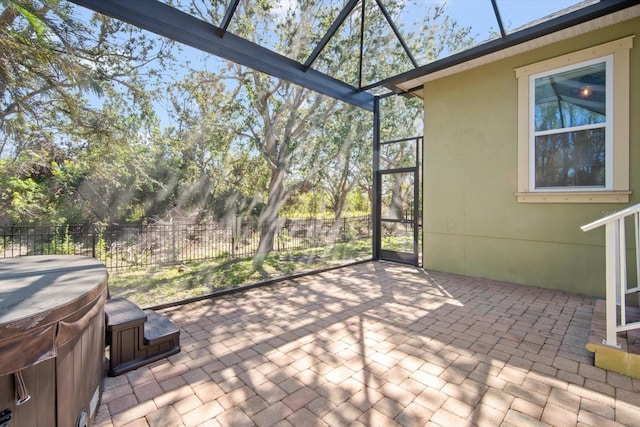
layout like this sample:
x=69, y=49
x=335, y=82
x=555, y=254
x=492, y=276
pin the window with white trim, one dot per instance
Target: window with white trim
x=570, y=148
x=573, y=126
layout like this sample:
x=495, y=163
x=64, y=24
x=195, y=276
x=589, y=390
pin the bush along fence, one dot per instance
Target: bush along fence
x=127, y=246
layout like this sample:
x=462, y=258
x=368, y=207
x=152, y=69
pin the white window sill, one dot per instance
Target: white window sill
x=575, y=197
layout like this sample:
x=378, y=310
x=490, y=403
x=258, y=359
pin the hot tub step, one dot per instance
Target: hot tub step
x=159, y=328
x=137, y=337
x=121, y=314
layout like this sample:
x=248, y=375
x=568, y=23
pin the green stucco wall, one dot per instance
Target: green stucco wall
x=473, y=224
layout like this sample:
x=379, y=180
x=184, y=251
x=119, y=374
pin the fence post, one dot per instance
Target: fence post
x=236, y=233
x=366, y=226
x=93, y=240
x=315, y=233
x=173, y=242
x=344, y=229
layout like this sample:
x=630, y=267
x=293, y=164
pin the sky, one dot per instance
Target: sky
x=477, y=14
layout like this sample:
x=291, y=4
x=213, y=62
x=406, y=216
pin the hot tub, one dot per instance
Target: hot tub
x=51, y=339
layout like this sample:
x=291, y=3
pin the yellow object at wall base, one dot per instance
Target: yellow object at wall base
x=615, y=359
x=624, y=359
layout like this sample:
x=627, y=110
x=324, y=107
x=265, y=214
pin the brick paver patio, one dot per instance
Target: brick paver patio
x=378, y=344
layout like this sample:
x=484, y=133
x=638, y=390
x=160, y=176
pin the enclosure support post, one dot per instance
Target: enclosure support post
x=376, y=194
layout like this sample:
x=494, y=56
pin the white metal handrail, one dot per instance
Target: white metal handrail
x=617, y=286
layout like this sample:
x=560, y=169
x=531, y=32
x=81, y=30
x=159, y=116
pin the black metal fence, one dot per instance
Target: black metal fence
x=128, y=246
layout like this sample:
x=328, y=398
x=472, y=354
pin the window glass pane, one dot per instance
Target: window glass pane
x=571, y=159
x=572, y=98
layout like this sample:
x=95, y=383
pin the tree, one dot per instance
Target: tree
x=282, y=122
x=352, y=163
x=287, y=143
x=279, y=123
x=56, y=62
x=214, y=169
x=114, y=159
x=288, y=125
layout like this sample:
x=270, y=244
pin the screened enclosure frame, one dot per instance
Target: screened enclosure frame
x=170, y=22
x=165, y=20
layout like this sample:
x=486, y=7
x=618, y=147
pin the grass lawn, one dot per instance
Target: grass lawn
x=169, y=284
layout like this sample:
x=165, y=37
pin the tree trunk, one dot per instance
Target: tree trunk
x=267, y=222
x=340, y=198
x=343, y=188
x=396, y=207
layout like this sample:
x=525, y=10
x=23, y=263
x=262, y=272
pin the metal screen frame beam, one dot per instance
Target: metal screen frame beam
x=536, y=31
x=164, y=20
x=376, y=193
x=395, y=30
x=228, y=16
x=496, y=11
x=344, y=14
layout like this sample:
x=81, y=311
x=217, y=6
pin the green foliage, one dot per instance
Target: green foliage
x=81, y=150
x=358, y=203
x=136, y=214
x=100, y=245
x=38, y=25
x=61, y=243
x=80, y=140
x=23, y=196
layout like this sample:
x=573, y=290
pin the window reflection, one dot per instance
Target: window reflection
x=572, y=98
x=571, y=159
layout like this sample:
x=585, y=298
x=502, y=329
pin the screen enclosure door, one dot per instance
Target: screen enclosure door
x=399, y=200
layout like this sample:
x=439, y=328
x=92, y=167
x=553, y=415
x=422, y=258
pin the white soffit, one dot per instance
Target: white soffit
x=567, y=33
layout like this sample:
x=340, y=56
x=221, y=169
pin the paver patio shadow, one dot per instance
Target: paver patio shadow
x=378, y=344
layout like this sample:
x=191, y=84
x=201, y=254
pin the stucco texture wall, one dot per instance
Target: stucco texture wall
x=473, y=224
